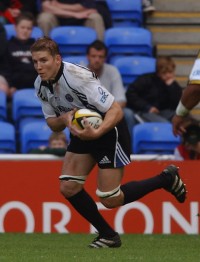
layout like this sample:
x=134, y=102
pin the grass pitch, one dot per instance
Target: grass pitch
x=73, y=247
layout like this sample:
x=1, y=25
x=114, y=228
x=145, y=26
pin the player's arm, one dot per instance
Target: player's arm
x=189, y=99
x=191, y=96
x=111, y=119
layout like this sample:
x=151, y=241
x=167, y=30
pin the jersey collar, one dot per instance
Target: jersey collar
x=49, y=84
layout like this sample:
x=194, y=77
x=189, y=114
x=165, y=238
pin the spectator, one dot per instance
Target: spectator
x=190, y=146
x=70, y=12
x=20, y=71
x=57, y=145
x=103, y=9
x=154, y=96
x=109, y=77
x=3, y=40
x=10, y=10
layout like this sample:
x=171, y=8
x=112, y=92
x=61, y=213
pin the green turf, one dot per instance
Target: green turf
x=73, y=247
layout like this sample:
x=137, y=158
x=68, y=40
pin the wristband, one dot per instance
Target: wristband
x=181, y=110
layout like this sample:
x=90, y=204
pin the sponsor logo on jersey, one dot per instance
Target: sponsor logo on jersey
x=103, y=95
x=62, y=109
x=196, y=73
x=69, y=97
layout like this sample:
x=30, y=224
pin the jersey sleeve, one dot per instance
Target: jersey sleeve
x=194, y=77
x=90, y=87
x=99, y=96
x=47, y=109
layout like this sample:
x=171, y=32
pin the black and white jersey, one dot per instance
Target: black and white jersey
x=74, y=87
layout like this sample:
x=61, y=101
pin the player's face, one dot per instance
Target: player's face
x=58, y=143
x=46, y=65
x=167, y=77
x=24, y=29
x=96, y=59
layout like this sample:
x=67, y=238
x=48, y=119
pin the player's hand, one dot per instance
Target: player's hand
x=88, y=133
x=178, y=125
x=67, y=117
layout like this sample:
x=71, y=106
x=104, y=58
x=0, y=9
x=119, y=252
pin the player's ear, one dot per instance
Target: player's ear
x=58, y=59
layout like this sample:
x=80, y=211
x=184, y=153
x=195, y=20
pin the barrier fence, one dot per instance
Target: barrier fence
x=31, y=202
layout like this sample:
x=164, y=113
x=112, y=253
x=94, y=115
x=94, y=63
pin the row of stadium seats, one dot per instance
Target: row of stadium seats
x=149, y=138
x=34, y=133
x=126, y=12
x=119, y=41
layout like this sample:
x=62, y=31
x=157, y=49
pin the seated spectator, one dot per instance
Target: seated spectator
x=19, y=69
x=190, y=146
x=57, y=145
x=155, y=96
x=70, y=12
x=109, y=77
x=3, y=40
x=103, y=9
x=10, y=10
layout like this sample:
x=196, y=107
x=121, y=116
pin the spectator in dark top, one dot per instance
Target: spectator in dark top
x=154, y=97
x=21, y=73
x=70, y=12
x=3, y=70
x=57, y=145
x=11, y=9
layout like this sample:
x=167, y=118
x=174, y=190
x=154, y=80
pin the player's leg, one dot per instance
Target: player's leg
x=76, y=167
x=113, y=157
x=111, y=194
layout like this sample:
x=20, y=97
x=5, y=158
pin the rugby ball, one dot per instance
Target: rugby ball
x=94, y=118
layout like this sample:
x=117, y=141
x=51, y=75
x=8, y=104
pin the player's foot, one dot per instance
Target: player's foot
x=103, y=242
x=177, y=187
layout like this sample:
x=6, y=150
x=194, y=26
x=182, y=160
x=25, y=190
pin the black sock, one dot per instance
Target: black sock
x=86, y=207
x=137, y=189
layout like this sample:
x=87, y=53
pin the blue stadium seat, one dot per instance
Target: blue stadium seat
x=154, y=138
x=122, y=41
x=80, y=60
x=7, y=138
x=3, y=106
x=130, y=67
x=10, y=31
x=73, y=40
x=25, y=104
x=126, y=12
x=35, y=134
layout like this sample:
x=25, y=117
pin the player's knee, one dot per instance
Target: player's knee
x=110, y=199
x=69, y=186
